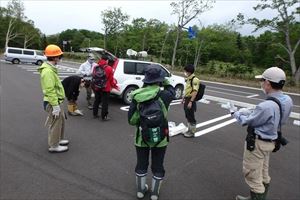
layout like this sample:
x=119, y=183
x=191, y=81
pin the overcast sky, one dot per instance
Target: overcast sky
x=58, y=15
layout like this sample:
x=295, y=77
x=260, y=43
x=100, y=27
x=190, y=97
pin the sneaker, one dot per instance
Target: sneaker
x=188, y=134
x=90, y=107
x=63, y=142
x=58, y=149
x=106, y=118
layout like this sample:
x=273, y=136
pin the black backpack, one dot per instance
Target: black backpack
x=99, y=77
x=200, y=91
x=153, y=121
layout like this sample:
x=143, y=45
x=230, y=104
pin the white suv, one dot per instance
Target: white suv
x=130, y=73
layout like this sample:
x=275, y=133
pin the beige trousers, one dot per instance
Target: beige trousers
x=256, y=165
x=56, y=126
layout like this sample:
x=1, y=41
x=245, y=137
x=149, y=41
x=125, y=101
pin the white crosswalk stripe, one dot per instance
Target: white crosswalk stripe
x=63, y=71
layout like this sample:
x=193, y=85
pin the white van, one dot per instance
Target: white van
x=17, y=55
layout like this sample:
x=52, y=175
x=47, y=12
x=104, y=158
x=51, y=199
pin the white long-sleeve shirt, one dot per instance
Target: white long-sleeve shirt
x=85, y=69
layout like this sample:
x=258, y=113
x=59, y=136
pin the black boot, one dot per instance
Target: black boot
x=257, y=196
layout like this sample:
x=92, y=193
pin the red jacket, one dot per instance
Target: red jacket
x=111, y=82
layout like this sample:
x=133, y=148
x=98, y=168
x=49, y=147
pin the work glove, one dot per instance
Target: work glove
x=56, y=111
x=245, y=111
x=230, y=106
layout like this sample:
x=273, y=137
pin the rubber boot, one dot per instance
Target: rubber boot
x=266, y=189
x=141, y=185
x=90, y=105
x=257, y=196
x=239, y=197
x=156, y=184
x=193, y=129
x=188, y=134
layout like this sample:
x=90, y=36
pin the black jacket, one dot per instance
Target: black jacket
x=71, y=87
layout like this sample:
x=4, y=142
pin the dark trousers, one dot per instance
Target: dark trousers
x=101, y=96
x=157, y=160
x=190, y=113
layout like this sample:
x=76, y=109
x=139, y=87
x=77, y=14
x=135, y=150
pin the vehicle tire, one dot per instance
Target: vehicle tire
x=178, y=91
x=126, y=95
x=15, y=61
x=39, y=62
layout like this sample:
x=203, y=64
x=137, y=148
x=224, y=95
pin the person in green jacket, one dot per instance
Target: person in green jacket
x=154, y=79
x=54, y=95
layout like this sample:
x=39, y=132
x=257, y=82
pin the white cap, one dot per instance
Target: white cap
x=91, y=56
x=273, y=74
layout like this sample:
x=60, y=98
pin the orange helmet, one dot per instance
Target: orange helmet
x=53, y=51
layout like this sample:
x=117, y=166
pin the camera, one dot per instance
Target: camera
x=283, y=141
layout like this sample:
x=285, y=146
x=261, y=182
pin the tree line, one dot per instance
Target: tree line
x=213, y=49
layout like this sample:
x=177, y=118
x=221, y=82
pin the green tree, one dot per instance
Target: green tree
x=113, y=21
x=281, y=23
x=14, y=14
x=186, y=11
x=30, y=34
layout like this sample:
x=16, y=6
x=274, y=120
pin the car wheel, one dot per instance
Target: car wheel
x=127, y=94
x=39, y=62
x=15, y=61
x=178, y=91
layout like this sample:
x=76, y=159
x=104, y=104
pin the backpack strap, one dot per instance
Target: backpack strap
x=192, y=83
x=280, y=109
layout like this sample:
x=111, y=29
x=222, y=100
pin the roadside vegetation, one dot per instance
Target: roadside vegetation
x=218, y=51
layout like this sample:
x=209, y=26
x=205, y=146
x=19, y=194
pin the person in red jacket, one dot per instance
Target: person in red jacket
x=102, y=95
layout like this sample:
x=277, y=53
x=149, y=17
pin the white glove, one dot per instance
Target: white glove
x=245, y=111
x=230, y=106
x=56, y=111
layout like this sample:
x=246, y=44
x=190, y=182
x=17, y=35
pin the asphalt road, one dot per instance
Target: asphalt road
x=101, y=160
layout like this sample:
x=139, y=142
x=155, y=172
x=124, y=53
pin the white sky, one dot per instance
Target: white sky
x=58, y=15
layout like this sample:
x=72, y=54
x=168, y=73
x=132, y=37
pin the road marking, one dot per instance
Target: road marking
x=243, y=104
x=255, y=95
x=174, y=102
x=296, y=122
x=62, y=76
x=239, y=86
x=229, y=90
x=213, y=120
x=210, y=129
